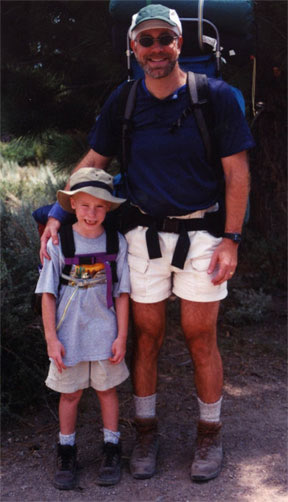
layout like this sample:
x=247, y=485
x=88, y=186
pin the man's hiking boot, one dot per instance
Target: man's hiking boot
x=208, y=455
x=110, y=468
x=65, y=474
x=143, y=458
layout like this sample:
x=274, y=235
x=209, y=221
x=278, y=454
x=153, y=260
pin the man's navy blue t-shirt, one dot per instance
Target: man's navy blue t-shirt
x=168, y=170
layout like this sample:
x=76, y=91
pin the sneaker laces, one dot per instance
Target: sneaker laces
x=66, y=458
x=111, y=454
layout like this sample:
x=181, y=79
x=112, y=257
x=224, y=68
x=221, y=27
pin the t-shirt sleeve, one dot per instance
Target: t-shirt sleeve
x=123, y=284
x=231, y=129
x=50, y=274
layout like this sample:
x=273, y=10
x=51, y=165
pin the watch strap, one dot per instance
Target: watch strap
x=233, y=236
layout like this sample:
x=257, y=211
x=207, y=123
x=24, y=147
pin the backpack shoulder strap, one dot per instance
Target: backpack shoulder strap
x=199, y=95
x=67, y=241
x=68, y=249
x=112, y=247
x=127, y=99
x=112, y=240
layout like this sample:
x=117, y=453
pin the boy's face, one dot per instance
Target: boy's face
x=90, y=211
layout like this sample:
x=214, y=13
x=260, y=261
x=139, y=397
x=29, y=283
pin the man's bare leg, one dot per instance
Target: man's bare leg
x=149, y=330
x=199, y=321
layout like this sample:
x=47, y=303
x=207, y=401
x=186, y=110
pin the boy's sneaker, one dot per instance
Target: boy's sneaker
x=110, y=468
x=65, y=475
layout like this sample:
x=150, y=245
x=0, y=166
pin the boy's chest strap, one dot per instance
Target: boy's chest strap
x=90, y=259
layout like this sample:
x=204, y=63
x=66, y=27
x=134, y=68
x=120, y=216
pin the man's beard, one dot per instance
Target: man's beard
x=158, y=73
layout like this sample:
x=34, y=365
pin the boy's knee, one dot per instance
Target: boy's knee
x=73, y=396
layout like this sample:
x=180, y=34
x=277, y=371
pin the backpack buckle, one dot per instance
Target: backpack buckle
x=170, y=225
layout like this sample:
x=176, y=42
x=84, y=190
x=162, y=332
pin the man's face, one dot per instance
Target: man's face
x=157, y=60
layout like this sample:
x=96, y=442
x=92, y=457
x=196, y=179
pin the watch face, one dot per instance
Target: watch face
x=233, y=237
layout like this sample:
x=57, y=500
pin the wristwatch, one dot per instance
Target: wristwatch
x=234, y=237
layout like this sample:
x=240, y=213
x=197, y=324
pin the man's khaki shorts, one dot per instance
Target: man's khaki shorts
x=100, y=375
x=154, y=280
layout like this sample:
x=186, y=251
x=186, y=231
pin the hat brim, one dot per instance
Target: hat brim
x=63, y=197
x=148, y=24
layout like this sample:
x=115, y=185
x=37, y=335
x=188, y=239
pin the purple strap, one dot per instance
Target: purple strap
x=98, y=258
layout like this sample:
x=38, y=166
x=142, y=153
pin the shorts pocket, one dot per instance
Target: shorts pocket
x=201, y=264
x=138, y=268
x=137, y=263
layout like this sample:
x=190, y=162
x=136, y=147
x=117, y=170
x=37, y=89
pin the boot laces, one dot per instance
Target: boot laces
x=205, y=441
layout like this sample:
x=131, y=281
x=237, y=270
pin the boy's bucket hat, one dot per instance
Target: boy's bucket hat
x=155, y=16
x=95, y=182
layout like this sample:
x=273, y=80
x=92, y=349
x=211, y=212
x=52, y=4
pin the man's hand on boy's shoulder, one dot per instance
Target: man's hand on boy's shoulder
x=51, y=230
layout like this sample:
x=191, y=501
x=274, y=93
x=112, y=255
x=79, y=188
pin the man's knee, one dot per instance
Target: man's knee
x=149, y=327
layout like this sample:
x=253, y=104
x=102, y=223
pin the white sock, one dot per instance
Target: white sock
x=111, y=436
x=210, y=412
x=67, y=439
x=145, y=407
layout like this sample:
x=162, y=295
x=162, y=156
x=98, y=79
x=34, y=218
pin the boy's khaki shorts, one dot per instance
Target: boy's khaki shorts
x=100, y=375
x=154, y=280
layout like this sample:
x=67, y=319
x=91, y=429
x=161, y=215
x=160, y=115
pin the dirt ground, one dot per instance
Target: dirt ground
x=254, y=418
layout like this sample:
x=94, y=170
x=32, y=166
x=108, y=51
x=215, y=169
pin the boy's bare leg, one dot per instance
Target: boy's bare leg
x=110, y=468
x=68, y=407
x=110, y=408
x=65, y=474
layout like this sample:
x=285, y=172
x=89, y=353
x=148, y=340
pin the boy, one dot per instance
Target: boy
x=85, y=334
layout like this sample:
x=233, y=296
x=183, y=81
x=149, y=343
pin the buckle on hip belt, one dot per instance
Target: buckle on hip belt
x=170, y=225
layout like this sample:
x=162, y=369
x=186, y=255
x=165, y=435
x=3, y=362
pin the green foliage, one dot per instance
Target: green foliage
x=62, y=150
x=250, y=306
x=22, y=342
x=57, y=65
x=24, y=359
x=24, y=151
x=263, y=260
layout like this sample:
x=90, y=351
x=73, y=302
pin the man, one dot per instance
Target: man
x=172, y=185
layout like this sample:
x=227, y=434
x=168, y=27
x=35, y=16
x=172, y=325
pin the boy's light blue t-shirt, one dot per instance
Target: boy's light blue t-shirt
x=89, y=327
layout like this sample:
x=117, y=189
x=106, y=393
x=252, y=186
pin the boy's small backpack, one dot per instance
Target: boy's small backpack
x=108, y=259
x=68, y=249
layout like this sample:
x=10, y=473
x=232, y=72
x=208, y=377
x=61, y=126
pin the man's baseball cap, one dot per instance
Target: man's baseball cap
x=155, y=16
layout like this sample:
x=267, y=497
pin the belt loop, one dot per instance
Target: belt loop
x=152, y=241
x=182, y=247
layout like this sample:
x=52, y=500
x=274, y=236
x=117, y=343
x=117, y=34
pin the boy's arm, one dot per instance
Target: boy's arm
x=122, y=314
x=55, y=348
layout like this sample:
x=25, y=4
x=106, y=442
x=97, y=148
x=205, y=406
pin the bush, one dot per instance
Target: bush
x=24, y=362
x=251, y=306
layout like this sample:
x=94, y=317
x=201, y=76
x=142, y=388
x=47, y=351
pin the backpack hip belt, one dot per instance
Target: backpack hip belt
x=211, y=222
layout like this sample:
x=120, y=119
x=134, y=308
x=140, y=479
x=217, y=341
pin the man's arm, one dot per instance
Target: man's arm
x=91, y=159
x=237, y=182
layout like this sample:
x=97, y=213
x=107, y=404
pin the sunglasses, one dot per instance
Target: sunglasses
x=148, y=41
